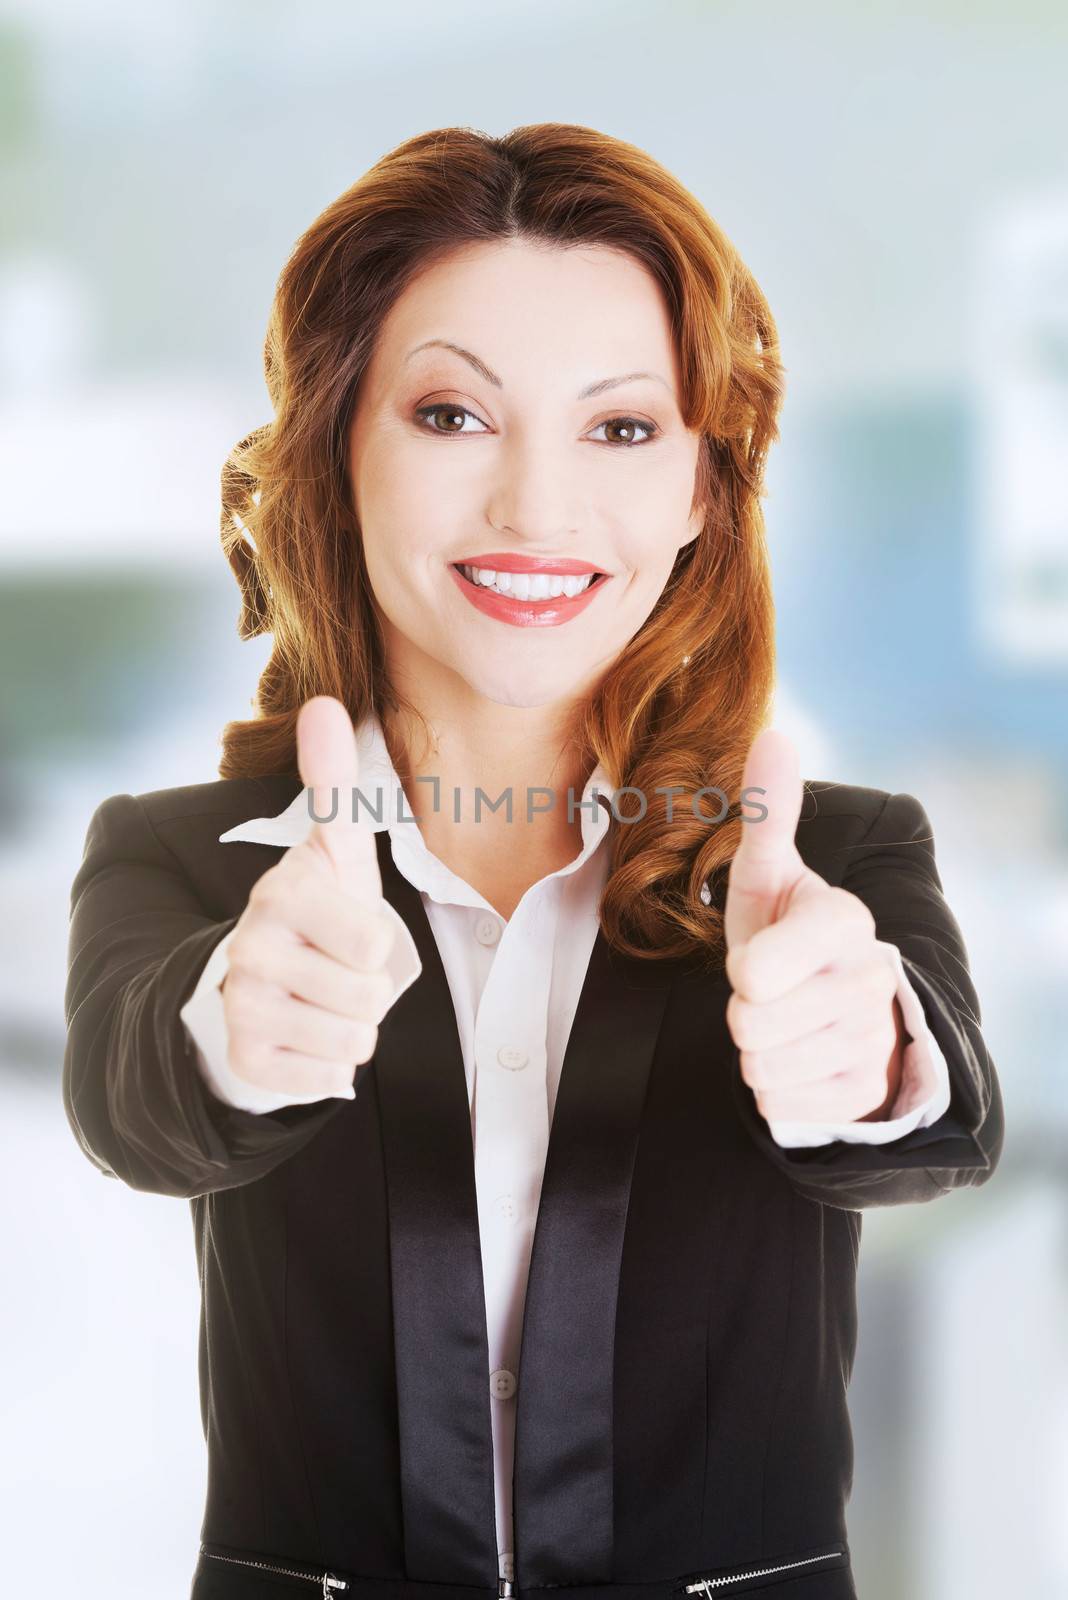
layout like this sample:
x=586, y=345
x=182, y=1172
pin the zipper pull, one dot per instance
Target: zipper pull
x=330, y=1582
x=506, y=1589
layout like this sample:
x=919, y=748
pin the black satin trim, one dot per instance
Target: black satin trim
x=439, y=1309
x=563, y=1478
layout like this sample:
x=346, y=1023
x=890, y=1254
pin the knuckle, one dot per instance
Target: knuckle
x=375, y=990
x=388, y=936
x=867, y=1095
x=753, y=1068
x=880, y=981
x=740, y=1020
x=243, y=952
x=242, y=1011
x=882, y=1037
x=374, y=941
x=346, y=1044
x=268, y=896
x=264, y=886
x=857, y=910
x=247, y=1060
x=365, y=1042
x=739, y=965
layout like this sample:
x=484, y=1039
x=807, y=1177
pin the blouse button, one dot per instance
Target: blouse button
x=511, y=1057
x=502, y=1384
x=487, y=931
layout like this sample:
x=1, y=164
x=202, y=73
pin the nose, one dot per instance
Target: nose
x=536, y=495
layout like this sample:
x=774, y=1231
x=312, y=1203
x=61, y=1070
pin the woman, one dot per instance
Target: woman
x=526, y=1142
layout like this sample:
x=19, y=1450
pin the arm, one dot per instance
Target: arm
x=132, y=1091
x=893, y=870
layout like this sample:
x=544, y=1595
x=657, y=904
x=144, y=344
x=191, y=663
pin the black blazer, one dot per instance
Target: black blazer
x=690, y=1319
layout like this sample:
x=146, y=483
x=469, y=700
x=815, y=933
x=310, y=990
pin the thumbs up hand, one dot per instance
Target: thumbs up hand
x=307, y=983
x=812, y=1011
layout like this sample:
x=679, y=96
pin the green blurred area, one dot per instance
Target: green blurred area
x=89, y=658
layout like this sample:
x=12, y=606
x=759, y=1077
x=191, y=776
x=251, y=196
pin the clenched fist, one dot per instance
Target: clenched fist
x=307, y=983
x=813, y=1011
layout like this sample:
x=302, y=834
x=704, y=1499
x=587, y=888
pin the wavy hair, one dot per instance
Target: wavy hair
x=683, y=701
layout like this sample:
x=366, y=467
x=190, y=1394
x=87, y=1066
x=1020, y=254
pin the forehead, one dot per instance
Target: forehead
x=572, y=312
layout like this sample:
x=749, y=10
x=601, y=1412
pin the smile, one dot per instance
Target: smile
x=528, y=585
x=527, y=599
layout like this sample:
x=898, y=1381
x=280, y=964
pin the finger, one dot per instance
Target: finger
x=301, y=1078
x=800, y=1065
x=819, y=1001
x=306, y=974
x=840, y=1047
x=846, y=1097
x=293, y=1024
x=319, y=910
x=328, y=760
x=767, y=862
x=821, y=927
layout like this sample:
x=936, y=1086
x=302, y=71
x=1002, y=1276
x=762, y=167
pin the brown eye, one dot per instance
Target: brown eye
x=452, y=414
x=628, y=426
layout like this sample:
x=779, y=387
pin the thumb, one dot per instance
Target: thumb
x=330, y=767
x=767, y=863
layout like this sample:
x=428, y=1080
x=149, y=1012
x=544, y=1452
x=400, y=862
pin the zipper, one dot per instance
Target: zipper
x=705, y=1586
x=331, y=1584
x=327, y=1579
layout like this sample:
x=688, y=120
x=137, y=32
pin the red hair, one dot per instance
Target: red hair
x=683, y=702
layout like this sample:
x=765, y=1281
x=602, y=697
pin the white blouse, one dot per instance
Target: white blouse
x=515, y=986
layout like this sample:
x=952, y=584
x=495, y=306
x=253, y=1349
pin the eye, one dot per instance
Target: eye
x=444, y=408
x=455, y=413
x=630, y=423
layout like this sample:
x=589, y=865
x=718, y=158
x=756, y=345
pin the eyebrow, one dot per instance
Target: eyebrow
x=491, y=377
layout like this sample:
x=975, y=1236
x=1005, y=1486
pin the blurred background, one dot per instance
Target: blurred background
x=896, y=176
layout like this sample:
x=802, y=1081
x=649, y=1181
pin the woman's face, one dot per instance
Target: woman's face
x=535, y=451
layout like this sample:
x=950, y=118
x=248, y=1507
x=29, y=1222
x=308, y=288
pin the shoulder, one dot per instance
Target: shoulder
x=186, y=821
x=824, y=801
x=180, y=829
x=231, y=800
x=840, y=821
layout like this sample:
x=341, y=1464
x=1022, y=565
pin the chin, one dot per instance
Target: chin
x=522, y=695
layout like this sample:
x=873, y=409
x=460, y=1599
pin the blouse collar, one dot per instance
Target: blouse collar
x=385, y=806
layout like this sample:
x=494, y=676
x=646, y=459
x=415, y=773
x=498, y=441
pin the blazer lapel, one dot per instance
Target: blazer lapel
x=563, y=1477
x=439, y=1308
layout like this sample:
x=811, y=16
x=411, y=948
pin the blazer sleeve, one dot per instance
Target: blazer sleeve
x=132, y=1091
x=893, y=870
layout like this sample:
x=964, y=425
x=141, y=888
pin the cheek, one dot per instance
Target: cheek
x=653, y=520
x=407, y=521
x=645, y=553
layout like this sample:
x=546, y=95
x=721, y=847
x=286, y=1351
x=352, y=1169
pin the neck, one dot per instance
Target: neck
x=477, y=744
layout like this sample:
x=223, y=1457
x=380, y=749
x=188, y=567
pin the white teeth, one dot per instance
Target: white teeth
x=528, y=585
